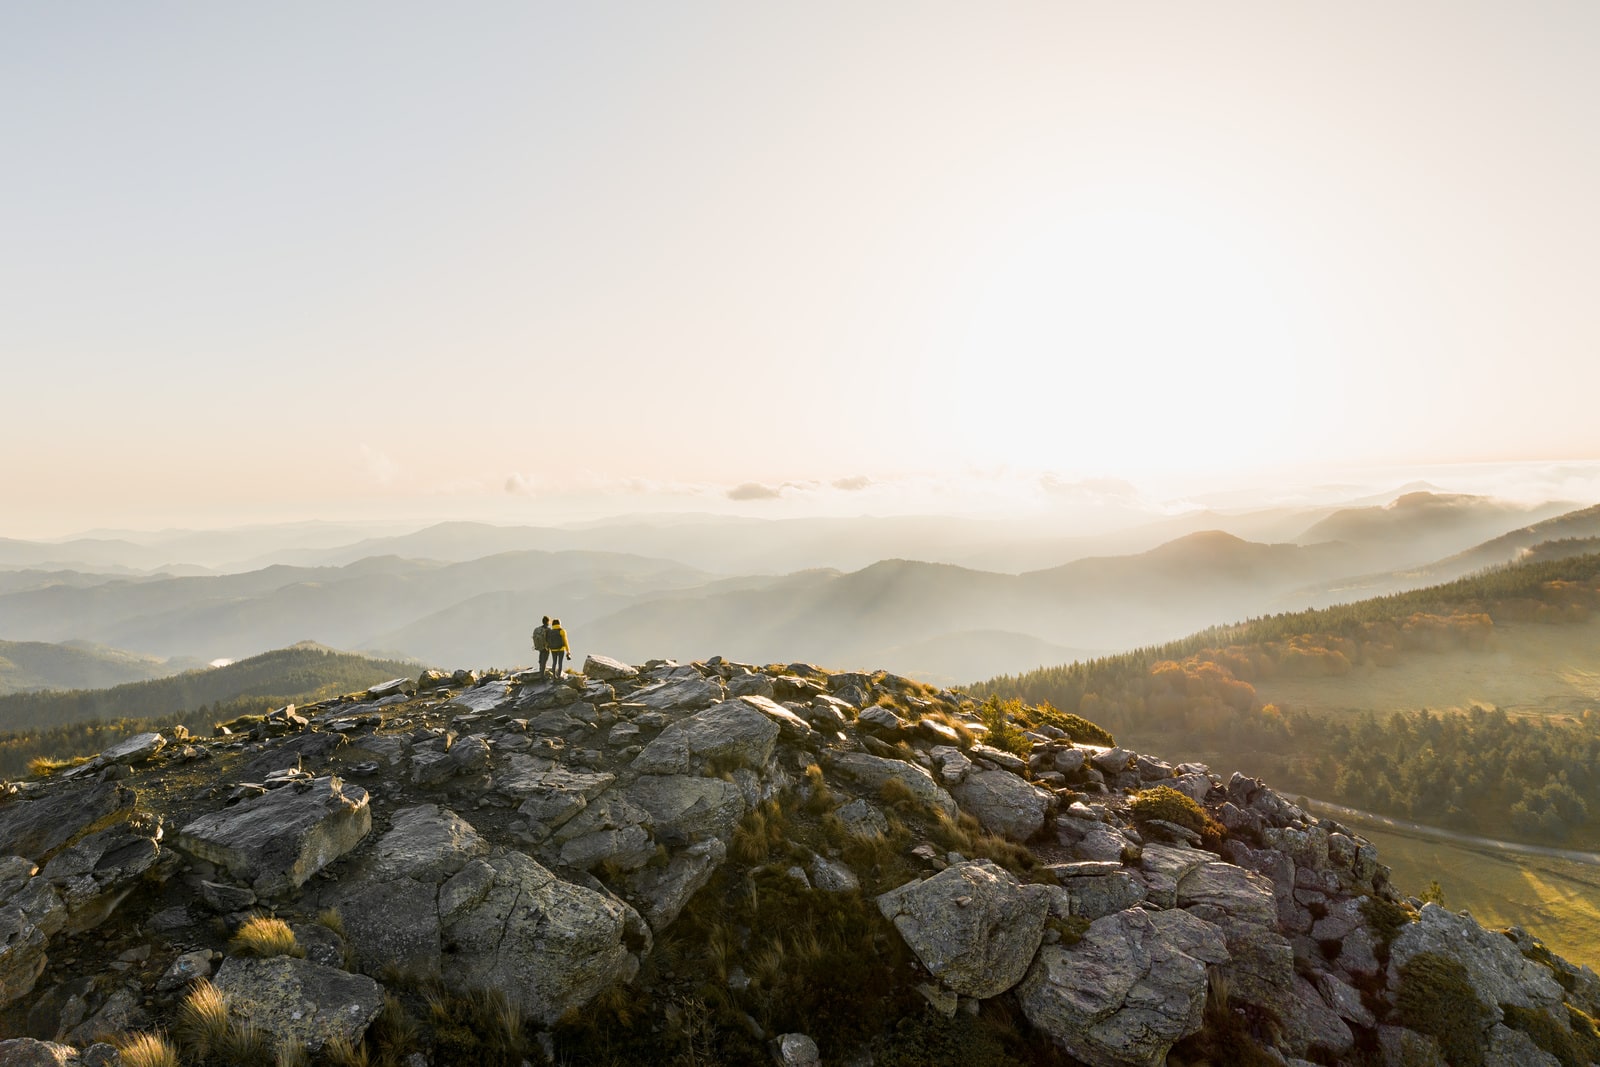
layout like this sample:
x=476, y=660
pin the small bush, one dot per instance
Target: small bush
x=1167, y=804
x=997, y=715
x=1385, y=918
x=263, y=936
x=1436, y=998
x=1071, y=929
x=1574, y=1040
x=147, y=1050
x=1076, y=727
x=330, y=918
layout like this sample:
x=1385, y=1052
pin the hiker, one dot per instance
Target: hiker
x=557, y=640
x=541, y=641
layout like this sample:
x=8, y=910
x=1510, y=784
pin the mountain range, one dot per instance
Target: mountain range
x=457, y=592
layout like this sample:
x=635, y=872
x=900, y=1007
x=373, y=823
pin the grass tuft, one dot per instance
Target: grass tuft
x=202, y=1024
x=264, y=936
x=147, y=1050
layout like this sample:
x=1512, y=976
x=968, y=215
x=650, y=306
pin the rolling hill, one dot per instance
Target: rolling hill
x=26, y=665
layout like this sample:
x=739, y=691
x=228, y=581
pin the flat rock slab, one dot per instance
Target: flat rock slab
x=278, y=840
x=299, y=1001
x=485, y=697
x=679, y=694
x=36, y=828
x=136, y=748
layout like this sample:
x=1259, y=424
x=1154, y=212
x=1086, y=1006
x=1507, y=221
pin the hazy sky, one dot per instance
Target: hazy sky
x=324, y=260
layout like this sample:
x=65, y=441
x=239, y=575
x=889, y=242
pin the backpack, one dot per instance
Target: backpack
x=541, y=638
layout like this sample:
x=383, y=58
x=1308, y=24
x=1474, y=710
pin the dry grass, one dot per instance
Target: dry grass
x=147, y=1050
x=760, y=831
x=331, y=918
x=202, y=1024
x=291, y=1054
x=45, y=766
x=339, y=1052
x=264, y=936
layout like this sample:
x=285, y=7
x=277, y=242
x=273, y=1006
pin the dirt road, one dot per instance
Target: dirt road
x=1417, y=829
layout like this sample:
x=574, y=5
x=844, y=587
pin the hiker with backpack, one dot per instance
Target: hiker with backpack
x=557, y=640
x=541, y=641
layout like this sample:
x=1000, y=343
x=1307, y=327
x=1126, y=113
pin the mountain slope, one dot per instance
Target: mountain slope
x=303, y=672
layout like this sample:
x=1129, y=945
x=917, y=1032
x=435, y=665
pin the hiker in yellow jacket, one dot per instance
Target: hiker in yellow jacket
x=556, y=638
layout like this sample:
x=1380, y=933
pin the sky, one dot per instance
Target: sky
x=528, y=261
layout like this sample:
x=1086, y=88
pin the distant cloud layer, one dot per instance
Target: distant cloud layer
x=852, y=485
x=754, y=491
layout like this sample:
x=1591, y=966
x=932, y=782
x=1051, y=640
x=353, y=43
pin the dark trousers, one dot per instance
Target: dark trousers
x=557, y=659
x=544, y=655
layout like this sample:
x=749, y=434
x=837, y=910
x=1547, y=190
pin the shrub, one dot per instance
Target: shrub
x=1385, y=918
x=1436, y=998
x=997, y=715
x=1574, y=1041
x=263, y=936
x=1167, y=804
x=1076, y=727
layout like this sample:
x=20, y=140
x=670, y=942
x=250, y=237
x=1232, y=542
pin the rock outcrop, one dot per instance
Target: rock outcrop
x=571, y=845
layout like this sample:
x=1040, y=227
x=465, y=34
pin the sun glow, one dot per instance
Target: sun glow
x=1168, y=335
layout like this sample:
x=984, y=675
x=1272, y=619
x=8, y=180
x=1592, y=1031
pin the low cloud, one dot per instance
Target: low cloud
x=519, y=484
x=754, y=491
x=852, y=485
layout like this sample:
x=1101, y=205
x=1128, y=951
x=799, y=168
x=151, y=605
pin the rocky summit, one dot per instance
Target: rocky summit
x=723, y=863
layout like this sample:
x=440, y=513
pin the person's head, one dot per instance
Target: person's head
x=555, y=622
x=547, y=620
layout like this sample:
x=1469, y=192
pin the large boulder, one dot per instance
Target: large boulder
x=733, y=733
x=973, y=925
x=606, y=669
x=550, y=794
x=552, y=946
x=30, y=913
x=685, y=808
x=1498, y=972
x=299, y=1002
x=1003, y=803
x=279, y=839
x=1098, y=888
x=1128, y=990
x=874, y=771
x=661, y=891
x=94, y=874
x=390, y=904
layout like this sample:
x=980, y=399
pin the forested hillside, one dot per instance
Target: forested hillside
x=303, y=672
x=1531, y=775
